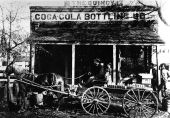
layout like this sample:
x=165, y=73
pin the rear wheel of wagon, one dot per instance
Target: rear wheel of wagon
x=95, y=100
x=139, y=103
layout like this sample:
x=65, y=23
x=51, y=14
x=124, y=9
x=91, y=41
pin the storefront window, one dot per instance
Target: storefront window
x=132, y=60
x=85, y=55
x=53, y=59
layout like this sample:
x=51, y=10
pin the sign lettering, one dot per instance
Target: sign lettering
x=91, y=16
x=77, y=3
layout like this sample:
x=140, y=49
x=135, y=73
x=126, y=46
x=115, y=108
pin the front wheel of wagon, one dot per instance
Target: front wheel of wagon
x=95, y=100
x=139, y=103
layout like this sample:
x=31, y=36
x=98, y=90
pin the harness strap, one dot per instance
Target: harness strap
x=76, y=77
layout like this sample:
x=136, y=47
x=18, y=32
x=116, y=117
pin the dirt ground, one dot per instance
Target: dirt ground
x=67, y=111
x=113, y=112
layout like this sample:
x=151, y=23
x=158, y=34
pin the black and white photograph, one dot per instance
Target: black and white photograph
x=84, y=59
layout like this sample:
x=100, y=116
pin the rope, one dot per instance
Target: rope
x=68, y=77
x=39, y=84
x=76, y=77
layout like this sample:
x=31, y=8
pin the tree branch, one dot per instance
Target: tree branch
x=17, y=45
x=160, y=15
x=12, y=20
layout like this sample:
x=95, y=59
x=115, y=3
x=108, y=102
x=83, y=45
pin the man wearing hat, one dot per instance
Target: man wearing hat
x=97, y=71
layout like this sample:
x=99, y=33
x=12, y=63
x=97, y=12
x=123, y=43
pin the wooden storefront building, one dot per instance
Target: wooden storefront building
x=65, y=40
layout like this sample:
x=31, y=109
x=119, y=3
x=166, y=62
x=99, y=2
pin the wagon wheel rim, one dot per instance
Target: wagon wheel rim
x=95, y=100
x=138, y=103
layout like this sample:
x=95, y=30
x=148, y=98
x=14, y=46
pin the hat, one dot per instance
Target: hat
x=97, y=60
x=152, y=65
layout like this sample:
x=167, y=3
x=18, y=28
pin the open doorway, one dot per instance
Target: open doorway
x=86, y=53
x=53, y=58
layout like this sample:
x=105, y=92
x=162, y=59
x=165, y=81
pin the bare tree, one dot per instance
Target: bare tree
x=12, y=42
x=159, y=8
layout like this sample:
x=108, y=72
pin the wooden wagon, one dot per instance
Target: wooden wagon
x=136, y=100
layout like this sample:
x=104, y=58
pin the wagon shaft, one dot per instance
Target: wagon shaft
x=43, y=87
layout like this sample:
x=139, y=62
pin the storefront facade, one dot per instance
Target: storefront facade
x=65, y=40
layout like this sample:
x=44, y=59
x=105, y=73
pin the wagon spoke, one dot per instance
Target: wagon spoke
x=128, y=100
x=94, y=92
x=89, y=96
x=94, y=108
x=103, y=95
x=149, y=109
x=91, y=107
x=147, y=96
x=97, y=93
x=140, y=110
x=100, y=108
x=87, y=105
x=145, y=114
x=137, y=112
x=139, y=94
x=100, y=94
x=131, y=97
x=143, y=95
x=91, y=93
x=134, y=95
x=97, y=109
x=102, y=105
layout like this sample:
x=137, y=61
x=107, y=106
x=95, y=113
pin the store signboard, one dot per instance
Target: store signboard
x=92, y=16
x=98, y=3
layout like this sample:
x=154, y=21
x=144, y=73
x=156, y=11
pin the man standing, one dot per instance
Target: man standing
x=154, y=80
x=164, y=78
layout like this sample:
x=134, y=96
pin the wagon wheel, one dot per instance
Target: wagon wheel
x=138, y=103
x=95, y=100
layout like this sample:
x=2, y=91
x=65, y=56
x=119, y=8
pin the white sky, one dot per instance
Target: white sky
x=164, y=31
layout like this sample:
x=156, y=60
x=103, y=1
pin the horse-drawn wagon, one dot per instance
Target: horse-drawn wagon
x=136, y=99
x=96, y=98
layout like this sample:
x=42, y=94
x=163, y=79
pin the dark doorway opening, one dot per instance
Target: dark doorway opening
x=86, y=53
x=53, y=58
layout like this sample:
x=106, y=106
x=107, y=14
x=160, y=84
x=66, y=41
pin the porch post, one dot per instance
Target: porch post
x=73, y=64
x=114, y=64
x=32, y=58
x=158, y=74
